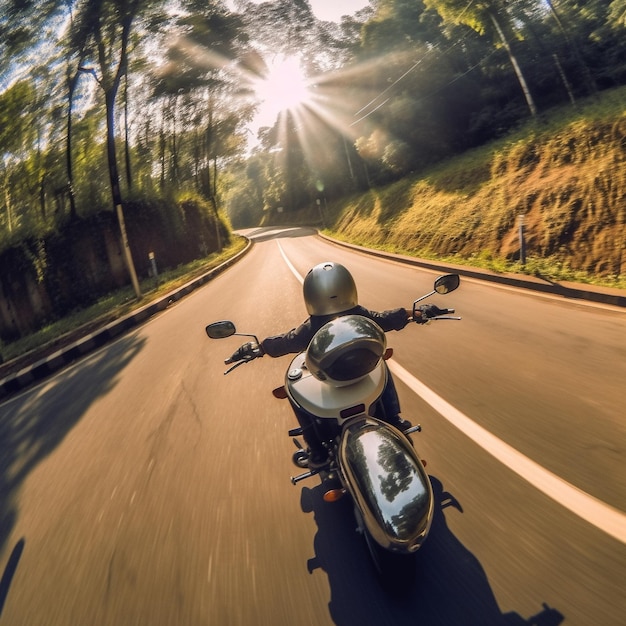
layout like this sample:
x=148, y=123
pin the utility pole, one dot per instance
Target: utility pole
x=521, y=221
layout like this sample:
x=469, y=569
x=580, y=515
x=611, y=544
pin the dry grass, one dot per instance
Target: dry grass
x=567, y=177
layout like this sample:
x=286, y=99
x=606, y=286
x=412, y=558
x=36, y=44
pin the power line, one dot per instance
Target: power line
x=415, y=65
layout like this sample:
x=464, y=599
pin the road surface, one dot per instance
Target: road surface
x=142, y=486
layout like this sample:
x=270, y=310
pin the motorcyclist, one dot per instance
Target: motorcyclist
x=329, y=292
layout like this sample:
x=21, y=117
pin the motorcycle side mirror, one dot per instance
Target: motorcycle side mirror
x=446, y=283
x=219, y=330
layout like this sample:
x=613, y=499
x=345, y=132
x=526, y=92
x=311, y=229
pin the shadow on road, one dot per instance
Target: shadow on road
x=451, y=586
x=33, y=425
x=9, y=571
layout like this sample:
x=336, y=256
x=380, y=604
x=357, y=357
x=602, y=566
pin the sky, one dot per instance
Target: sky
x=332, y=10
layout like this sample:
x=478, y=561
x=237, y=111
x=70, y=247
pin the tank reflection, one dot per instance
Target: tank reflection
x=451, y=586
x=394, y=485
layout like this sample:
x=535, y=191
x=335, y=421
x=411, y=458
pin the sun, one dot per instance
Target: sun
x=284, y=87
x=312, y=109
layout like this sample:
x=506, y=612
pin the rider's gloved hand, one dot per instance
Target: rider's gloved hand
x=249, y=350
x=425, y=312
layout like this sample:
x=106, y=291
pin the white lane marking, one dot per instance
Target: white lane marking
x=605, y=517
x=294, y=271
x=601, y=515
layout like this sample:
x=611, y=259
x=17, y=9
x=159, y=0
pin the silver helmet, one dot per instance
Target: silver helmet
x=329, y=289
x=345, y=350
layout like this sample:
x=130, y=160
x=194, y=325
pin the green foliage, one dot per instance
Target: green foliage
x=617, y=13
x=413, y=83
x=245, y=199
x=16, y=132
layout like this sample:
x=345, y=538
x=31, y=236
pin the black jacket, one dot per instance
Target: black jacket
x=297, y=339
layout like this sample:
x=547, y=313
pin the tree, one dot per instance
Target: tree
x=27, y=125
x=617, y=13
x=197, y=78
x=479, y=16
x=419, y=100
x=102, y=31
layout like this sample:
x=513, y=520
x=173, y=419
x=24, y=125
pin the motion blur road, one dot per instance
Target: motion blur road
x=142, y=486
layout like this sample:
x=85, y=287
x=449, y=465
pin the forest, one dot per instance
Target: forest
x=129, y=126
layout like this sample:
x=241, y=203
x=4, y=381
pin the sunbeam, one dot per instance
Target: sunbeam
x=282, y=88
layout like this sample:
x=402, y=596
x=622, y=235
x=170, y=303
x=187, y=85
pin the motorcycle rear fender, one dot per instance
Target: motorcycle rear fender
x=388, y=483
x=325, y=401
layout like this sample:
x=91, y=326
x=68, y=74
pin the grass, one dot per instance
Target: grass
x=117, y=304
x=565, y=173
x=551, y=268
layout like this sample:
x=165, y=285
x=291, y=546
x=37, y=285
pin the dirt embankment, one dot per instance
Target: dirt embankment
x=569, y=185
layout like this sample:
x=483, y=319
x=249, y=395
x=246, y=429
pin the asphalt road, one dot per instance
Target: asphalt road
x=142, y=486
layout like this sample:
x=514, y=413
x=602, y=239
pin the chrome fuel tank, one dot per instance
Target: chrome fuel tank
x=388, y=483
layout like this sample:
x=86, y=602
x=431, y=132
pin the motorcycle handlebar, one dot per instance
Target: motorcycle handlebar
x=442, y=314
x=247, y=352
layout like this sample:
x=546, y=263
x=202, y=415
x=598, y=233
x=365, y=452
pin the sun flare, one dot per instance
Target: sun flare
x=283, y=88
x=310, y=110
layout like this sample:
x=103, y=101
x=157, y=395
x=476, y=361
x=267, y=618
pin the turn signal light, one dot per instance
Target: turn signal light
x=334, y=494
x=423, y=462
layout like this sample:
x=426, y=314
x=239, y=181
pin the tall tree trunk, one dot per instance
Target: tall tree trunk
x=218, y=235
x=129, y=177
x=115, y=187
x=8, y=203
x=163, y=146
x=42, y=195
x=515, y=64
x=214, y=192
x=111, y=85
x=589, y=80
x=563, y=76
x=208, y=149
x=71, y=88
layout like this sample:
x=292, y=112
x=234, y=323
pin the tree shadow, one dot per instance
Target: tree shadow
x=450, y=586
x=9, y=571
x=34, y=424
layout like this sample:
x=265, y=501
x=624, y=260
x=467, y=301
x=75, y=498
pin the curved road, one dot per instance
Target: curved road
x=141, y=486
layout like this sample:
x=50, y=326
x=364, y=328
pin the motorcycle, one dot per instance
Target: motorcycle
x=339, y=381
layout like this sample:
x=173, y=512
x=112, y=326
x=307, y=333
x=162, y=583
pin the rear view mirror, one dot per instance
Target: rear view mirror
x=446, y=283
x=219, y=330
